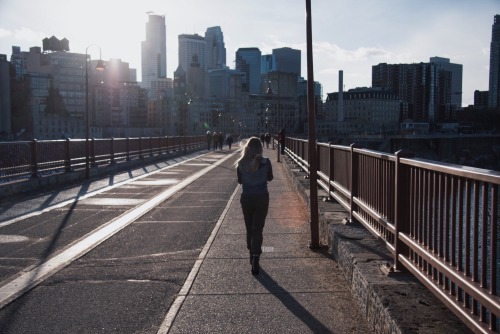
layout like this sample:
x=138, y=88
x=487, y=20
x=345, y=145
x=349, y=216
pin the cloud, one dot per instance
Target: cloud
x=334, y=52
x=26, y=34
x=5, y=33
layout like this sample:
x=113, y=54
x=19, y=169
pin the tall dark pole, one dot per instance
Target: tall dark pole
x=87, y=146
x=278, y=114
x=279, y=122
x=101, y=67
x=313, y=172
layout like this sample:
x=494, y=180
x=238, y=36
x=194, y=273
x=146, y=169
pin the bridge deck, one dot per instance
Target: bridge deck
x=182, y=266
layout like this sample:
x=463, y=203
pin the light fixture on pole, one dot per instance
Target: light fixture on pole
x=270, y=92
x=100, y=67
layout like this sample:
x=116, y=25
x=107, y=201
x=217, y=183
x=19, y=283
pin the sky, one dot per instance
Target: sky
x=348, y=35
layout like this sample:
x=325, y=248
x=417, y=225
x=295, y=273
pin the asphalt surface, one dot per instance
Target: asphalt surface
x=164, y=252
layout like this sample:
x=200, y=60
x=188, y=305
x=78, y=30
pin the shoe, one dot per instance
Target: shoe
x=255, y=264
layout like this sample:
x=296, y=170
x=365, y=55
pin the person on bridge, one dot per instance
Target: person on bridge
x=229, y=140
x=221, y=140
x=267, y=139
x=209, y=139
x=254, y=171
x=215, y=138
x=281, y=140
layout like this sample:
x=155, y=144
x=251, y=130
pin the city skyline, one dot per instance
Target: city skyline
x=347, y=36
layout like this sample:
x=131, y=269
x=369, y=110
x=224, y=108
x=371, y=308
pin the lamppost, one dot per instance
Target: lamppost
x=270, y=92
x=100, y=67
x=185, y=109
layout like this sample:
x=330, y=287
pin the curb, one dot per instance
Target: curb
x=395, y=303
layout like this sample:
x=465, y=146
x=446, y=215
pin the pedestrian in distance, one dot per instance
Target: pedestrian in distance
x=281, y=140
x=209, y=139
x=267, y=139
x=221, y=140
x=254, y=171
x=262, y=138
x=229, y=140
x=215, y=140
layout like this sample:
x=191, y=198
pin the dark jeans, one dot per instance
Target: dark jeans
x=255, y=209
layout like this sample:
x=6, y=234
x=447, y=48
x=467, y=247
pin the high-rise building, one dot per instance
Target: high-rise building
x=456, y=78
x=424, y=89
x=494, y=84
x=481, y=99
x=55, y=85
x=248, y=61
x=154, y=51
x=287, y=60
x=225, y=83
x=5, y=116
x=193, y=60
x=189, y=46
x=216, y=50
x=266, y=64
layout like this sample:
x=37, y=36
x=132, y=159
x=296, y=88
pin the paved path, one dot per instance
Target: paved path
x=297, y=291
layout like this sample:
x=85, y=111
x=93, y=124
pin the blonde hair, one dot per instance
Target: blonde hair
x=251, y=155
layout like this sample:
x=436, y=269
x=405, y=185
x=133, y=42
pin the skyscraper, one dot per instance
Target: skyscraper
x=287, y=60
x=494, y=84
x=248, y=62
x=154, y=51
x=424, y=89
x=189, y=46
x=266, y=64
x=5, y=113
x=216, y=50
x=456, y=78
x=193, y=60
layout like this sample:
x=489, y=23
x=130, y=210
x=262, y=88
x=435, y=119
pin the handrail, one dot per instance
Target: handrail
x=439, y=221
x=25, y=159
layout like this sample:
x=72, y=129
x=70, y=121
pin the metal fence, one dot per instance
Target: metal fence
x=38, y=157
x=439, y=221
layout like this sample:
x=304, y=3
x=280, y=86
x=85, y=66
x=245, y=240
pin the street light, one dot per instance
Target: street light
x=100, y=67
x=270, y=92
x=185, y=109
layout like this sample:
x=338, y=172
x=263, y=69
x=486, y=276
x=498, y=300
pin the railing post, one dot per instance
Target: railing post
x=34, y=163
x=330, y=170
x=92, y=152
x=112, y=158
x=140, y=148
x=67, y=156
x=127, y=147
x=401, y=206
x=354, y=179
x=150, y=146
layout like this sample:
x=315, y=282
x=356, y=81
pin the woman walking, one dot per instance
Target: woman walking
x=254, y=171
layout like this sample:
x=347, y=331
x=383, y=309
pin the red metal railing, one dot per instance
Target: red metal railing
x=39, y=157
x=439, y=221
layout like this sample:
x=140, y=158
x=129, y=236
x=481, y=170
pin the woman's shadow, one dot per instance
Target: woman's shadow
x=291, y=303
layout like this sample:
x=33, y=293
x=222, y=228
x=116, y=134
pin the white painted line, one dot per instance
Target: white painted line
x=33, y=277
x=183, y=293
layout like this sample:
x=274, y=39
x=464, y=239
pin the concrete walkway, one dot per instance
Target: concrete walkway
x=297, y=291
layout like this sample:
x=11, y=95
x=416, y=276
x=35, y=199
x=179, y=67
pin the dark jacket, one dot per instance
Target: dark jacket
x=256, y=182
